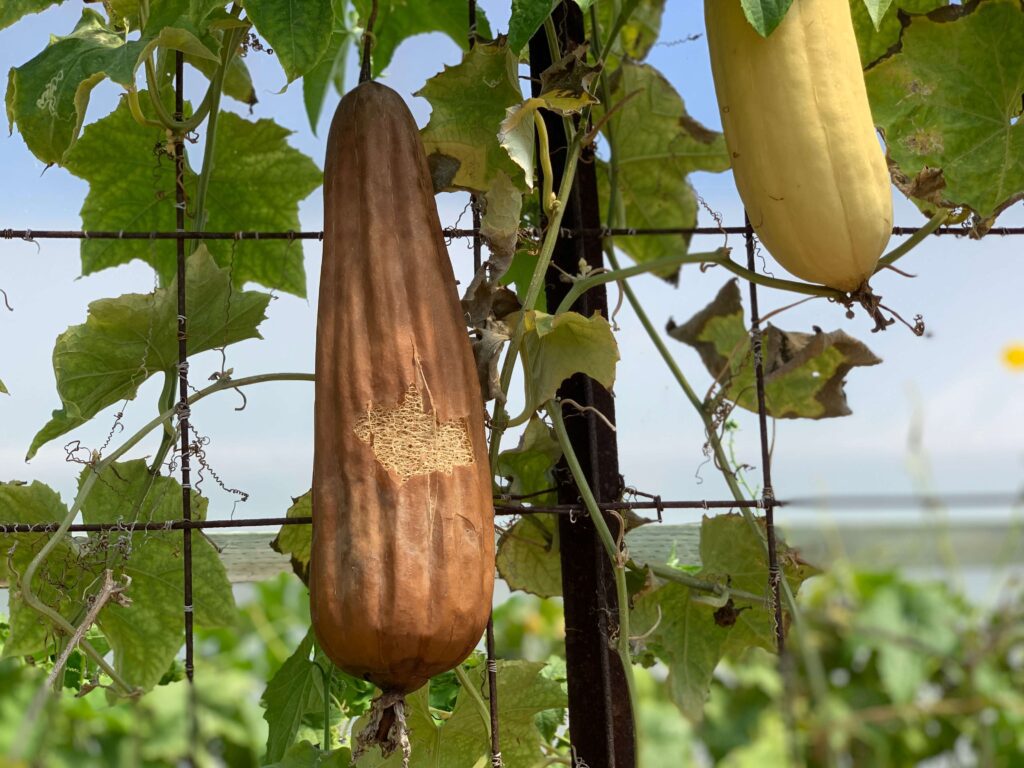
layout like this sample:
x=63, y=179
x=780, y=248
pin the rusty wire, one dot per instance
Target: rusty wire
x=449, y=232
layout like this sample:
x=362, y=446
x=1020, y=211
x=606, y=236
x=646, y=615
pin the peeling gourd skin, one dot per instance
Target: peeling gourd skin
x=402, y=562
x=805, y=156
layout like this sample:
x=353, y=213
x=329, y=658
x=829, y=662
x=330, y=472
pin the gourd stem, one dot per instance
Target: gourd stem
x=478, y=700
x=92, y=474
x=365, y=67
x=913, y=241
x=616, y=555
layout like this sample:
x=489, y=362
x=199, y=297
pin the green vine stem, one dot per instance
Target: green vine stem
x=669, y=573
x=617, y=557
x=481, y=706
x=913, y=241
x=93, y=473
x=583, y=284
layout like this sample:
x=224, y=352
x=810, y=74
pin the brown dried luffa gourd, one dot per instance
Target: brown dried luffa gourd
x=402, y=563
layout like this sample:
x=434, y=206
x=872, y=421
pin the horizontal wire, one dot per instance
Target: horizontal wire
x=864, y=502
x=450, y=232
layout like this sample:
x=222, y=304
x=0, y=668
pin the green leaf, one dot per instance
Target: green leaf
x=656, y=144
x=294, y=699
x=875, y=38
x=126, y=340
x=462, y=739
x=804, y=372
x=256, y=184
x=585, y=4
x=764, y=15
x=876, y=10
x=557, y=346
x=297, y=540
x=3, y=388
x=527, y=18
x=297, y=30
x=469, y=102
x=967, y=126
x=686, y=640
x=330, y=68
x=398, y=20
x=237, y=80
x=147, y=634
x=638, y=35
x=48, y=95
x=59, y=583
x=12, y=10
x=305, y=755
x=528, y=556
x=529, y=466
x=689, y=635
x=287, y=698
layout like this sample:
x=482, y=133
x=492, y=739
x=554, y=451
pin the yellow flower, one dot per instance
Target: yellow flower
x=1013, y=357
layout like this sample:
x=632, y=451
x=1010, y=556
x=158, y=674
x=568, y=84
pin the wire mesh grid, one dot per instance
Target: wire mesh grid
x=767, y=502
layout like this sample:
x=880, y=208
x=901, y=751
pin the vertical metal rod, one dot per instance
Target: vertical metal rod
x=492, y=695
x=474, y=202
x=600, y=719
x=492, y=662
x=183, y=410
x=768, y=494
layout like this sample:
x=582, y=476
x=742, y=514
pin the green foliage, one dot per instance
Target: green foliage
x=60, y=578
x=461, y=738
x=297, y=540
x=145, y=632
x=256, y=184
x=12, y=10
x=401, y=19
x=690, y=634
x=330, y=69
x=656, y=145
x=527, y=18
x=528, y=556
x=47, y=96
x=877, y=34
x=557, y=346
x=469, y=102
x=638, y=34
x=804, y=372
x=299, y=31
x=529, y=467
x=957, y=141
x=765, y=15
x=126, y=340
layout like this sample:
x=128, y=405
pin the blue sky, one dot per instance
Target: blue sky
x=969, y=407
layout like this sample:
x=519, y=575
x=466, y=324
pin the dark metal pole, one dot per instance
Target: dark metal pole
x=183, y=409
x=600, y=720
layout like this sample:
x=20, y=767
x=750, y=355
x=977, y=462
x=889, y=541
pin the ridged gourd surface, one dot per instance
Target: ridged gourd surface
x=807, y=161
x=402, y=562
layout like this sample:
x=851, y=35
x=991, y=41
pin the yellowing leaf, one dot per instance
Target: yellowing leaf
x=469, y=102
x=558, y=346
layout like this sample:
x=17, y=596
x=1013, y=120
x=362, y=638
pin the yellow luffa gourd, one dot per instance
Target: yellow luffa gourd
x=807, y=161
